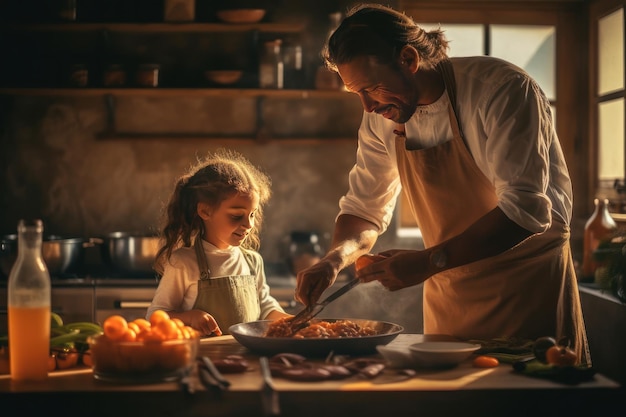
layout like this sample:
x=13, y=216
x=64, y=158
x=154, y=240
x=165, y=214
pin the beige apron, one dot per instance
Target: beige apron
x=527, y=292
x=231, y=299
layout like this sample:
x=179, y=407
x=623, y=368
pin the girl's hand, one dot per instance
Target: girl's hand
x=204, y=323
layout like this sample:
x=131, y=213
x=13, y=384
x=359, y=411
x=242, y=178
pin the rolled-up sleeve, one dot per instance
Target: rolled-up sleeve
x=520, y=141
x=373, y=181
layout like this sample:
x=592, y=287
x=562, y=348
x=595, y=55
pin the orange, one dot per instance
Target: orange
x=158, y=316
x=168, y=328
x=143, y=324
x=366, y=260
x=115, y=326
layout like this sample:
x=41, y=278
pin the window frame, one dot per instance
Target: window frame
x=597, y=10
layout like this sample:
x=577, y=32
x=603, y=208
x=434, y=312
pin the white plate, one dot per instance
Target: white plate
x=441, y=354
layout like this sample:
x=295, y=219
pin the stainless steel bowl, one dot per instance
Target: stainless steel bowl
x=131, y=253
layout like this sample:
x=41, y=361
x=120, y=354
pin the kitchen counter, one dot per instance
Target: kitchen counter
x=463, y=390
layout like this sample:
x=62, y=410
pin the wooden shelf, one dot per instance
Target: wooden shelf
x=177, y=92
x=256, y=139
x=155, y=27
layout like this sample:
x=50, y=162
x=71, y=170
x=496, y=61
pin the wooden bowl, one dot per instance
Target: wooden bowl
x=223, y=77
x=241, y=15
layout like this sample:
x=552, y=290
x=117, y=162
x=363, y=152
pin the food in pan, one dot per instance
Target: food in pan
x=318, y=329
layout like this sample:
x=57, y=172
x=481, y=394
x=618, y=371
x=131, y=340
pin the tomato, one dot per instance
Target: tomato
x=66, y=358
x=484, y=361
x=52, y=362
x=115, y=327
x=86, y=359
x=366, y=260
x=561, y=356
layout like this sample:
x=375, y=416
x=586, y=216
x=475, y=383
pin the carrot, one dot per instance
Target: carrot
x=484, y=361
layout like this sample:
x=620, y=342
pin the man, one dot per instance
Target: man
x=471, y=143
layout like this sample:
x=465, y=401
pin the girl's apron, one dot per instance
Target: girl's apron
x=231, y=299
x=527, y=292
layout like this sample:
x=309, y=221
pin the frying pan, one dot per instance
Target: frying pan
x=250, y=335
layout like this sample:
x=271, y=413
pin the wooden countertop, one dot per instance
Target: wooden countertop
x=463, y=390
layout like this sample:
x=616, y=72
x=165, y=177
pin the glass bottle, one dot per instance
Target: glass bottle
x=29, y=306
x=292, y=60
x=271, y=71
x=599, y=227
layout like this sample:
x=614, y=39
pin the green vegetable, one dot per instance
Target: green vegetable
x=67, y=335
x=55, y=320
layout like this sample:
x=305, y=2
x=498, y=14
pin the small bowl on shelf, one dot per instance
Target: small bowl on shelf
x=241, y=15
x=223, y=77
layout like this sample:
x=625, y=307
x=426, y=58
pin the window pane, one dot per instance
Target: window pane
x=529, y=47
x=611, y=140
x=465, y=40
x=611, y=52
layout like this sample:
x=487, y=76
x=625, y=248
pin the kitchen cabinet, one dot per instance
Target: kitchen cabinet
x=73, y=302
x=605, y=320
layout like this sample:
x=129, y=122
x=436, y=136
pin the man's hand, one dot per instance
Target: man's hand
x=394, y=269
x=313, y=281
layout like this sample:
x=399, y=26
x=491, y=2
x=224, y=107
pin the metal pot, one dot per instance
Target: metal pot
x=131, y=253
x=62, y=255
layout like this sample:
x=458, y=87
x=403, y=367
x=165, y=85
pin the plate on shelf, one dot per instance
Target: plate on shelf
x=223, y=77
x=241, y=15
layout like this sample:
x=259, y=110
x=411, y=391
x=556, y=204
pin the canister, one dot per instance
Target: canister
x=148, y=75
x=114, y=75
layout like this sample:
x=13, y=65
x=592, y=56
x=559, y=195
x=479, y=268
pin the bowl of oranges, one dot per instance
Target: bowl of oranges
x=142, y=351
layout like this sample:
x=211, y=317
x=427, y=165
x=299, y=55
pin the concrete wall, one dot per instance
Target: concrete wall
x=55, y=167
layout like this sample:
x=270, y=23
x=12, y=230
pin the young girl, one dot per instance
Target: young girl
x=211, y=275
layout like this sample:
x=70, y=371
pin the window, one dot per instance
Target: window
x=610, y=99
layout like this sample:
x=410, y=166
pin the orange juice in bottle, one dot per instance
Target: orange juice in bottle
x=29, y=307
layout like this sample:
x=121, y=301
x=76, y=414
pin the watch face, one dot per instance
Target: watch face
x=438, y=258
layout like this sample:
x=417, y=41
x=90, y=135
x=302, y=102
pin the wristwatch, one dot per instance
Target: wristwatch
x=438, y=258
